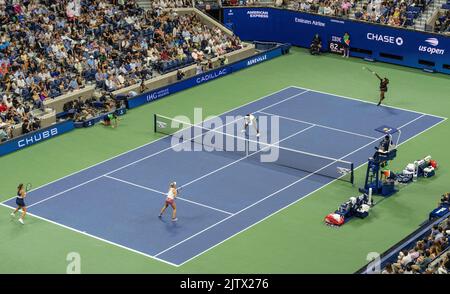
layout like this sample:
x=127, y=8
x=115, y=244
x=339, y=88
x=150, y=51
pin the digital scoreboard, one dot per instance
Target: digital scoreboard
x=335, y=45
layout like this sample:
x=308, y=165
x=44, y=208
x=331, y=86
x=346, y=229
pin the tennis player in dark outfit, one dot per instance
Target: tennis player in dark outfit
x=383, y=87
x=20, y=201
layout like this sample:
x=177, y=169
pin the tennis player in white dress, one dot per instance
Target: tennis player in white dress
x=170, y=201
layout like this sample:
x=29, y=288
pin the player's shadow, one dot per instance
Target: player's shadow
x=384, y=107
x=389, y=109
x=170, y=225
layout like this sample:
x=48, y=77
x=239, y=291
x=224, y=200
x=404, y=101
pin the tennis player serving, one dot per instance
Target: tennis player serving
x=250, y=120
x=20, y=201
x=170, y=201
x=383, y=87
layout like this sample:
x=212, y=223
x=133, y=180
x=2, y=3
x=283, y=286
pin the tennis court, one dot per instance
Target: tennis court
x=118, y=200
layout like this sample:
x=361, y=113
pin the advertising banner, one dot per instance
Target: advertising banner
x=35, y=137
x=367, y=40
x=202, y=78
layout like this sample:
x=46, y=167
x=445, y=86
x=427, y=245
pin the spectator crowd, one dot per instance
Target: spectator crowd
x=442, y=23
x=52, y=47
x=170, y=4
x=14, y=111
x=390, y=12
x=328, y=7
x=429, y=255
x=80, y=111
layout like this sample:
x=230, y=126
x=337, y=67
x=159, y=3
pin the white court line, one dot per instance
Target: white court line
x=318, y=125
x=262, y=199
x=133, y=184
x=62, y=192
x=96, y=237
x=177, y=265
x=243, y=105
x=370, y=102
x=215, y=245
x=146, y=144
x=159, y=192
x=276, y=192
x=282, y=101
x=144, y=158
x=298, y=200
x=242, y=158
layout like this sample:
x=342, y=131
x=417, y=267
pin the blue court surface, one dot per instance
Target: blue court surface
x=118, y=200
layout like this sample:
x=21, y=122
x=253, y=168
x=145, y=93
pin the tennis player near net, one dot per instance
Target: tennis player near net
x=250, y=120
x=170, y=200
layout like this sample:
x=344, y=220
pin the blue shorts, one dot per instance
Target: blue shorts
x=20, y=202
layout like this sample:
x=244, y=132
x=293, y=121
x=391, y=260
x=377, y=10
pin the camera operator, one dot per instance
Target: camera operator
x=180, y=75
x=316, y=45
x=26, y=126
x=445, y=199
x=223, y=60
x=36, y=125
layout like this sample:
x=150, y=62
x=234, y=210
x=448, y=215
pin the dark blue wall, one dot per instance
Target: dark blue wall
x=297, y=28
x=35, y=137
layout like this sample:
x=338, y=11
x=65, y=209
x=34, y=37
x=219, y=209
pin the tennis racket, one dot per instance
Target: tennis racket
x=28, y=187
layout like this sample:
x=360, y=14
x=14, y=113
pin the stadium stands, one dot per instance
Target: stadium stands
x=164, y=4
x=14, y=112
x=429, y=254
x=89, y=46
x=425, y=251
x=81, y=111
x=442, y=22
x=446, y=5
x=54, y=49
x=393, y=12
x=390, y=12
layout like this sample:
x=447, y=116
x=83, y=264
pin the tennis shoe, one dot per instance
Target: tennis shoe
x=12, y=214
x=174, y=219
x=21, y=221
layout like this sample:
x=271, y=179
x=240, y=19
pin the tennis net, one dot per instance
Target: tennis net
x=233, y=141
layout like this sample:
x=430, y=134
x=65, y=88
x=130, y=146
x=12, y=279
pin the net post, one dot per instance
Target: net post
x=352, y=174
x=247, y=142
x=247, y=147
x=154, y=122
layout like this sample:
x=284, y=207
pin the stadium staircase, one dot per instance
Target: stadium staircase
x=422, y=20
x=145, y=4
